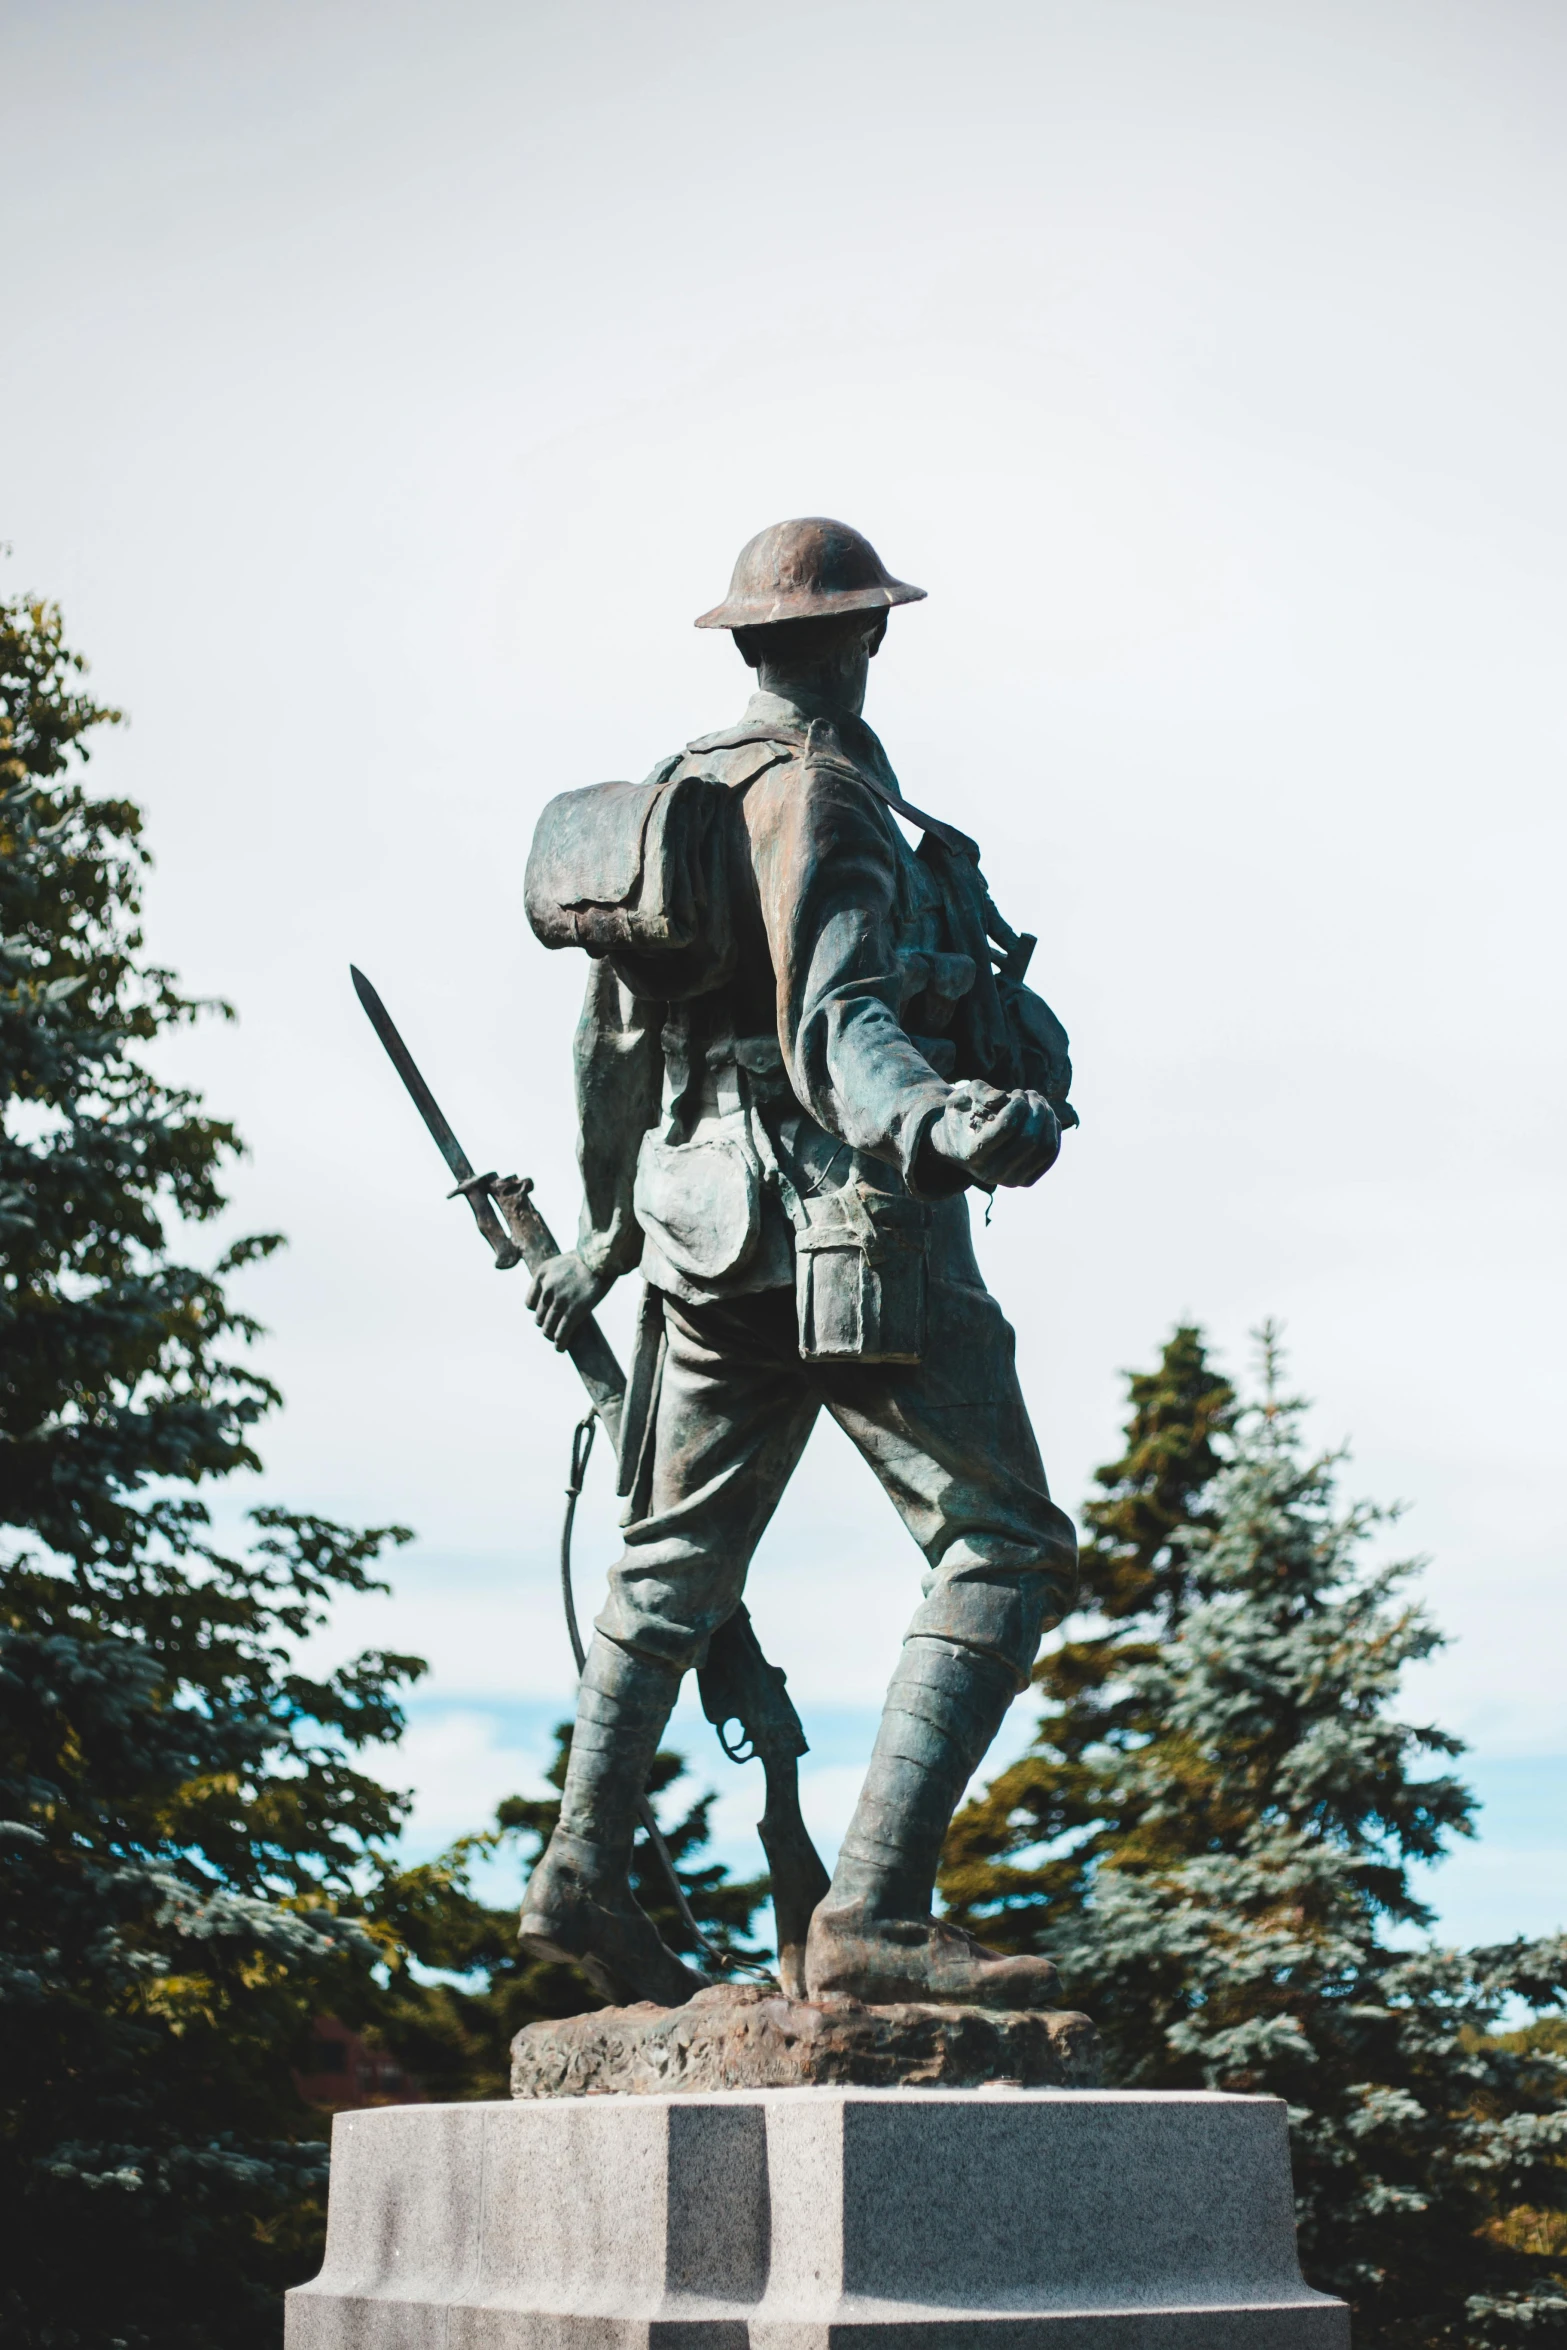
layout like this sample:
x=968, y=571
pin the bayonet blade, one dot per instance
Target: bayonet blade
x=473, y=1188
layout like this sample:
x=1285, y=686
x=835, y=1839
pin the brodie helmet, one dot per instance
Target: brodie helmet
x=807, y=570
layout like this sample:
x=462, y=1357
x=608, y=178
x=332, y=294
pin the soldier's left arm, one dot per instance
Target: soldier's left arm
x=619, y=1065
x=620, y=1070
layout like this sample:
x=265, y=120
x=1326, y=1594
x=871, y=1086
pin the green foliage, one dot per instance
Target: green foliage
x=186, y=1829
x=1222, y=1873
x=455, y=2034
x=1150, y=1509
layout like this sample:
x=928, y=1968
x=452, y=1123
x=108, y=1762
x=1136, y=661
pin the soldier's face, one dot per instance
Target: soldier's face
x=851, y=672
x=858, y=654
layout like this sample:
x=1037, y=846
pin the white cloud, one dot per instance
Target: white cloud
x=462, y=1763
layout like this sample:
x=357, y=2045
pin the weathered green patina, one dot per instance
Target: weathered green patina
x=805, y=1039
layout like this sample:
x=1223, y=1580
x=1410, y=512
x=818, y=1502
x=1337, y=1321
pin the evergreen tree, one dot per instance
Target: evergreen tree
x=185, y=1826
x=1247, y=1921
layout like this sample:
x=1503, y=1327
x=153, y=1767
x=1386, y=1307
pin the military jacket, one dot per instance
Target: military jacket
x=722, y=1134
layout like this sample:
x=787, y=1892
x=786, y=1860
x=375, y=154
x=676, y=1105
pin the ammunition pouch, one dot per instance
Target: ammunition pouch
x=861, y=1258
x=861, y=1273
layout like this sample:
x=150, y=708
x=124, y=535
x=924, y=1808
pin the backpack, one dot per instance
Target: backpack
x=640, y=870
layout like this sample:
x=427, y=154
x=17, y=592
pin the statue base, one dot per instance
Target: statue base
x=816, y=2219
x=749, y=2036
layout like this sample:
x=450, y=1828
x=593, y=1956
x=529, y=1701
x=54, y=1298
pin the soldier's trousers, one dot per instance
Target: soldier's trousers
x=949, y=1438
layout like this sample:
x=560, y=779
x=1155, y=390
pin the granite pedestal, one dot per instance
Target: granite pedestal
x=816, y=2219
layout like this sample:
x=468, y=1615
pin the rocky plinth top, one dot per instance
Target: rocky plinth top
x=750, y=2036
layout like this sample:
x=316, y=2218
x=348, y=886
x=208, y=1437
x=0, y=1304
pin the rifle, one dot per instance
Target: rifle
x=737, y=1683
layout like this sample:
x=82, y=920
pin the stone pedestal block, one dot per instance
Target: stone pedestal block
x=816, y=2219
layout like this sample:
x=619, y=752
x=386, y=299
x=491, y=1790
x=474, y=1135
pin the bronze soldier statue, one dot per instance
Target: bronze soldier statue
x=804, y=1041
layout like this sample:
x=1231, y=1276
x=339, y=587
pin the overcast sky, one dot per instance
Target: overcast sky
x=389, y=386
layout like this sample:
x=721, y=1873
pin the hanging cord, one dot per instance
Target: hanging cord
x=581, y=1447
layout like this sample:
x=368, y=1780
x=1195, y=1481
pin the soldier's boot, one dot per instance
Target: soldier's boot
x=579, y=1904
x=873, y=1937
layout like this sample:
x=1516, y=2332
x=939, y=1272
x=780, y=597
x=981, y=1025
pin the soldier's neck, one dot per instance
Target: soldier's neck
x=816, y=693
x=811, y=704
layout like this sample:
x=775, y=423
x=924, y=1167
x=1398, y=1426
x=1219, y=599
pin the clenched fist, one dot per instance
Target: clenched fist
x=995, y=1137
x=563, y=1295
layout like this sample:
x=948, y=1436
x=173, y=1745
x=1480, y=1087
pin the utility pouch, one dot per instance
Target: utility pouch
x=861, y=1274
x=699, y=1202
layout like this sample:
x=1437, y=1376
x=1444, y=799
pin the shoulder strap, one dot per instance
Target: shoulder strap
x=948, y=834
x=734, y=737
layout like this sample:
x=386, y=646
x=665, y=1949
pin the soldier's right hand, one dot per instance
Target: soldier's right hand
x=563, y=1295
x=996, y=1137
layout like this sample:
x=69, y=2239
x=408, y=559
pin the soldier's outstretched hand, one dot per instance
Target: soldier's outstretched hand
x=563, y=1295
x=997, y=1137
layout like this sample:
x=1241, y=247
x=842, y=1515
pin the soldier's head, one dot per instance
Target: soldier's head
x=808, y=607
x=819, y=663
